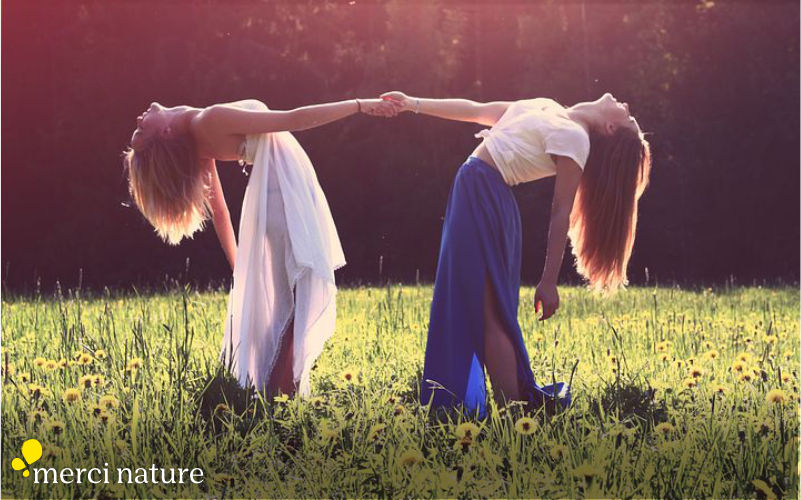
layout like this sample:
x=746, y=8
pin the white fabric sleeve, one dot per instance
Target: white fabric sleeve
x=569, y=142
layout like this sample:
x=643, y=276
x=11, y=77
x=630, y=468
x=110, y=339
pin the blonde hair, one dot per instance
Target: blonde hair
x=167, y=185
x=603, y=222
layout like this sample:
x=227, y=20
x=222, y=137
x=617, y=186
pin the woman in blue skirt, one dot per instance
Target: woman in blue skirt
x=602, y=164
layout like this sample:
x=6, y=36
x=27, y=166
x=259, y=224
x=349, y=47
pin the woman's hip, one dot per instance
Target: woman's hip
x=479, y=192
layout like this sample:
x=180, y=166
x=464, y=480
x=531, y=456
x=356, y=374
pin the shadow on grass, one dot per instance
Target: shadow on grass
x=222, y=395
x=628, y=399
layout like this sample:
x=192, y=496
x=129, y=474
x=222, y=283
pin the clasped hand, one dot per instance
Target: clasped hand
x=389, y=105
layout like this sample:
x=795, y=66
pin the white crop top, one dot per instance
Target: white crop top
x=529, y=132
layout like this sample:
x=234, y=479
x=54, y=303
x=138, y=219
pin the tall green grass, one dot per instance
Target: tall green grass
x=673, y=397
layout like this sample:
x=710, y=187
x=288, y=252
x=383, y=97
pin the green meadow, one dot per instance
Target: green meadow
x=676, y=393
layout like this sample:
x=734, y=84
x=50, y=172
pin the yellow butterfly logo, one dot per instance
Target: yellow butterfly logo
x=31, y=452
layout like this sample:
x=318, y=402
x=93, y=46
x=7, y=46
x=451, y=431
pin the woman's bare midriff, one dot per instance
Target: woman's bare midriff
x=482, y=154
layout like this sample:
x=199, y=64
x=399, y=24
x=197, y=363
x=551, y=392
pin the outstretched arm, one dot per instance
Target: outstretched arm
x=464, y=110
x=221, y=119
x=220, y=216
x=568, y=175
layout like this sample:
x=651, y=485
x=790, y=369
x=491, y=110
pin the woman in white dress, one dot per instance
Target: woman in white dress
x=281, y=308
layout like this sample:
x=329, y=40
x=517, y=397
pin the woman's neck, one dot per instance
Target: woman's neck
x=584, y=114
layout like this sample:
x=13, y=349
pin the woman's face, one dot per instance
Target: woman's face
x=153, y=121
x=615, y=114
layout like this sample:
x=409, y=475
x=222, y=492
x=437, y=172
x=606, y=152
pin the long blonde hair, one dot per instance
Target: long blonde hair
x=603, y=221
x=166, y=183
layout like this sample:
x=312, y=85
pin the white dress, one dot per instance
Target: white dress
x=287, y=241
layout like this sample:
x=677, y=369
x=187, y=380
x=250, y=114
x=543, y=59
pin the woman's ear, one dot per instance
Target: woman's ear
x=609, y=128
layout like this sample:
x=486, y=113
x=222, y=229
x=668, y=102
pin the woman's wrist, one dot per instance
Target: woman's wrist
x=413, y=104
x=547, y=281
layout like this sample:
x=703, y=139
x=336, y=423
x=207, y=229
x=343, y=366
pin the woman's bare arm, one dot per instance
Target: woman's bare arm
x=568, y=176
x=220, y=216
x=220, y=119
x=464, y=110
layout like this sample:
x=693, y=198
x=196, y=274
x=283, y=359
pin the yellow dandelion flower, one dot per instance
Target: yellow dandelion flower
x=748, y=340
x=134, y=364
x=399, y=410
x=662, y=346
x=411, y=457
x=39, y=362
x=745, y=357
x=738, y=366
x=771, y=339
x=25, y=377
x=711, y=354
x=719, y=389
x=776, y=396
x=85, y=381
x=350, y=375
x=689, y=383
x=763, y=487
x=664, y=428
x=72, y=363
x=105, y=417
x=10, y=369
x=55, y=426
x=109, y=401
x=707, y=344
x=375, y=431
x=463, y=444
x=62, y=363
x=51, y=364
x=558, y=451
x=691, y=361
x=51, y=451
x=71, y=395
x=468, y=429
x=696, y=372
x=525, y=425
x=587, y=471
x=664, y=357
x=786, y=377
x=762, y=426
x=101, y=354
x=678, y=363
x=788, y=355
x=98, y=380
x=538, y=337
x=84, y=359
x=95, y=409
x=746, y=376
x=37, y=416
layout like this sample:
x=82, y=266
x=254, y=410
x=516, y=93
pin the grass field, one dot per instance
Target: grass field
x=677, y=394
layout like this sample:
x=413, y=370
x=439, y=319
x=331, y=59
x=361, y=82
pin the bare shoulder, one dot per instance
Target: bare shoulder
x=246, y=104
x=225, y=118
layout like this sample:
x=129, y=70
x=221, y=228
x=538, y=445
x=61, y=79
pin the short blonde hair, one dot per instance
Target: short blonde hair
x=167, y=185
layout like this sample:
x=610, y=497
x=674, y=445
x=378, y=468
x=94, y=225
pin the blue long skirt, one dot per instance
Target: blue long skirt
x=481, y=239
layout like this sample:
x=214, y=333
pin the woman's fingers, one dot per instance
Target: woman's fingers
x=377, y=107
